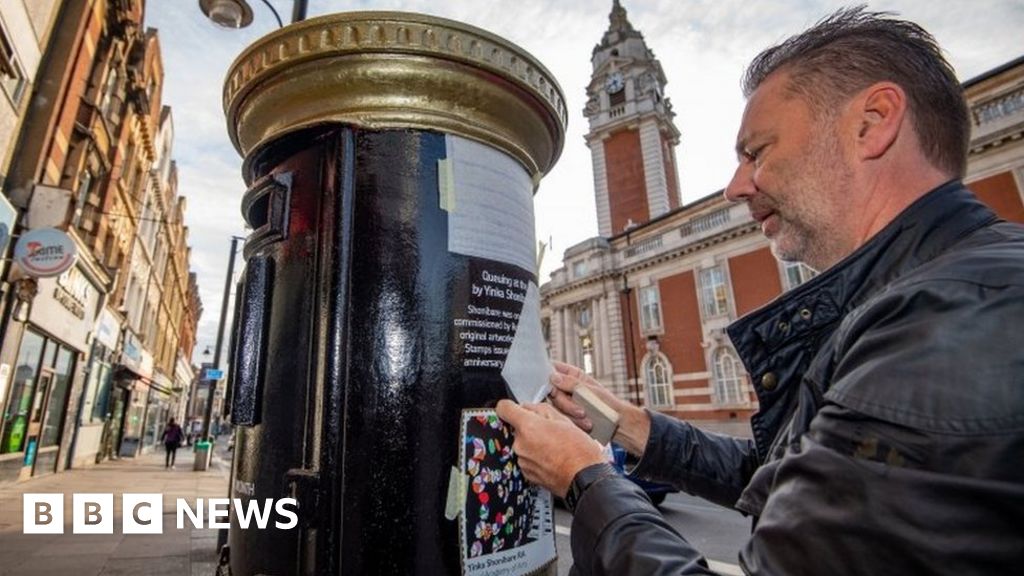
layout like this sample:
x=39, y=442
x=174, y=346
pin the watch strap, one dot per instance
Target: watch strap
x=586, y=478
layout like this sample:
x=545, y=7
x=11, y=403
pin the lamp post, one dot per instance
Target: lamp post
x=626, y=291
x=220, y=335
x=238, y=13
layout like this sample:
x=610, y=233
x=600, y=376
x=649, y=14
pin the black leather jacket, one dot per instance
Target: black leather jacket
x=890, y=436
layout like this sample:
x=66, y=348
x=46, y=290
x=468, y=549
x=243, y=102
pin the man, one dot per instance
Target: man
x=890, y=435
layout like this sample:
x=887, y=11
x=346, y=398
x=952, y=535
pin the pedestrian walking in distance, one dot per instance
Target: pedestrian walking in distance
x=172, y=438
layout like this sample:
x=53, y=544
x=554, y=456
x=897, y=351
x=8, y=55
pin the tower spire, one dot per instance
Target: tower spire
x=619, y=27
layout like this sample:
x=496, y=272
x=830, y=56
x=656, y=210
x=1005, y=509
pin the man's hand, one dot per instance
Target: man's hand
x=550, y=448
x=634, y=423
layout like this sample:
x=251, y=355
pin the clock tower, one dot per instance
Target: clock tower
x=632, y=138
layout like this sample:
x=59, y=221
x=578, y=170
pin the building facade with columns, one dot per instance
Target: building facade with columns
x=995, y=164
x=643, y=307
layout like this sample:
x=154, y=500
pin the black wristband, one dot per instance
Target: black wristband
x=585, y=479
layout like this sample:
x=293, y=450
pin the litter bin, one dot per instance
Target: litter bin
x=202, y=450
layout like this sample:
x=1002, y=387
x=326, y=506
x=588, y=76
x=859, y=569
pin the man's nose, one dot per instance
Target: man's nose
x=741, y=186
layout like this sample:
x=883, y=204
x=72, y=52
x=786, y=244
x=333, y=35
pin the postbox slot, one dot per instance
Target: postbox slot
x=265, y=209
x=250, y=352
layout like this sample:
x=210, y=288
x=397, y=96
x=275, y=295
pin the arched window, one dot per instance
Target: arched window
x=728, y=378
x=658, y=378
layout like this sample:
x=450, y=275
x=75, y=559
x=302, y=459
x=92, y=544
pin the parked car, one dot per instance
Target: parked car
x=656, y=491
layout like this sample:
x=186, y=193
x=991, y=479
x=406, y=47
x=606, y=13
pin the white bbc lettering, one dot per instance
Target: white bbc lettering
x=245, y=514
x=43, y=514
x=142, y=513
x=215, y=513
x=92, y=513
x=195, y=516
x=290, y=514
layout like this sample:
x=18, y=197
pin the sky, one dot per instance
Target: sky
x=703, y=46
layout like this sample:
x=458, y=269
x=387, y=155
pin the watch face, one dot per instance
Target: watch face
x=614, y=83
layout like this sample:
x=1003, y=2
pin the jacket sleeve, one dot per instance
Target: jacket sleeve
x=712, y=466
x=616, y=531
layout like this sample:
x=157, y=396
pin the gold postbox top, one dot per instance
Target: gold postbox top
x=383, y=70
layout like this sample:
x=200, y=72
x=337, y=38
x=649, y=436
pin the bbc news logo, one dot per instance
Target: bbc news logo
x=144, y=513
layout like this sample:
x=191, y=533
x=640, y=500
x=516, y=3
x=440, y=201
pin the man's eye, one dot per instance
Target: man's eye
x=751, y=155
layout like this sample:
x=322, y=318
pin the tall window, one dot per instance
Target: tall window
x=650, y=308
x=658, y=378
x=714, y=292
x=728, y=378
x=583, y=315
x=98, y=394
x=85, y=179
x=55, y=409
x=12, y=75
x=23, y=389
x=579, y=269
x=109, y=90
x=797, y=273
x=587, y=353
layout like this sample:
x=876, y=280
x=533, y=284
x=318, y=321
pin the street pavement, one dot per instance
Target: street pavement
x=175, y=552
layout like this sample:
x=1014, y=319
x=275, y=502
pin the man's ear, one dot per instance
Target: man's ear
x=879, y=112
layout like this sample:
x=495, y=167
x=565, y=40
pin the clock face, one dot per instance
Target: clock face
x=614, y=83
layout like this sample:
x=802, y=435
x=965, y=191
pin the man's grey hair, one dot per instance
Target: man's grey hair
x=851, y=50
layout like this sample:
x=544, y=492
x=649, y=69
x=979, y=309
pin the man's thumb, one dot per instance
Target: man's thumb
x=509, y=411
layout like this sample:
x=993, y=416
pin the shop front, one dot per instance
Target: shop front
x=96, y=411
x=158, y=411
x=46, y=376
x=134, y=380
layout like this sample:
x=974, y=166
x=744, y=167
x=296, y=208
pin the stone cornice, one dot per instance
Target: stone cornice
x=654, y=259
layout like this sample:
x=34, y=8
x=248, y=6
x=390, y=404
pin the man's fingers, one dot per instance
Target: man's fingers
x=564, y=403
x=552, y=413
x=567, y=369
x=510, y=412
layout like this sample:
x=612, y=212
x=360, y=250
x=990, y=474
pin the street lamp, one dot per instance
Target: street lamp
x=227, y=13
x=238, y=13
x=220, y=335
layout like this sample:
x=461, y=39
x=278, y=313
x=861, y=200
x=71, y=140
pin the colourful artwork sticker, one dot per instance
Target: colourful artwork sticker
x=506, y=524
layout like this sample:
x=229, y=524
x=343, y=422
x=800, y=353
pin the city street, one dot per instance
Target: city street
x=717, y=532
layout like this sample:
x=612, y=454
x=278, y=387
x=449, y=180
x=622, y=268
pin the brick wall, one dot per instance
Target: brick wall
x=1000, y=192
x=755, y=279
x=627, y=193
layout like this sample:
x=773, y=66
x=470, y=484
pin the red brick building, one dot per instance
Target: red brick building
x=643, y=307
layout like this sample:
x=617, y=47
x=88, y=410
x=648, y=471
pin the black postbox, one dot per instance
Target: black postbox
x=389, y=297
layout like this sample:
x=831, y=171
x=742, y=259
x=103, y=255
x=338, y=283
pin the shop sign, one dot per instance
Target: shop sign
x=132, y=356
x=73, y=292
x=146, y=366
x=8, y=215
x=107, y=328
x=45, y=252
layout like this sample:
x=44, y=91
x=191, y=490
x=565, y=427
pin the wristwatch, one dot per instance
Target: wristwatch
x=585, y=479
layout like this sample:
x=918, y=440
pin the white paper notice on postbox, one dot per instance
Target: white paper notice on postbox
x=527, y=368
